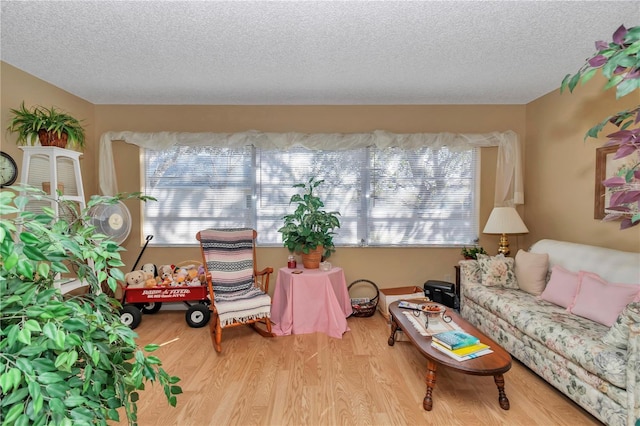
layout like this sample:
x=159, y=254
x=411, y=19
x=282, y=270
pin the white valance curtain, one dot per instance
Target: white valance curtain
x=509, y=187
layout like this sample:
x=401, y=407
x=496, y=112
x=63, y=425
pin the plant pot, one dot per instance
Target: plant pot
x=312, y=260
x=52, y=138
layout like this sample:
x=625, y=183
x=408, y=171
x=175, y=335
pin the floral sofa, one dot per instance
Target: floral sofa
x=577, y=355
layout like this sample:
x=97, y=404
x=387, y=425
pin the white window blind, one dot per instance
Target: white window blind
x=422, y=197
x=341, y=191
x=386, y=197
x=196, y=188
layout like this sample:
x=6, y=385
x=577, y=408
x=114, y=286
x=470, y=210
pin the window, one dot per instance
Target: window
x=386, y=197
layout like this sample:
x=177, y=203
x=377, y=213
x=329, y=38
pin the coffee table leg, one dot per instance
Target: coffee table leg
x=502, y=397
x=427, y=403
x=394, y=328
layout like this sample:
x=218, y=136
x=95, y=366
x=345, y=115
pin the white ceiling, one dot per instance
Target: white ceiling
x=307, y=52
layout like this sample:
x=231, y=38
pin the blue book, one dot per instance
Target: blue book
x=461, y=358
x=455, y=339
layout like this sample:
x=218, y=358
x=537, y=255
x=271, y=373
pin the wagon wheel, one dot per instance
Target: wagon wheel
x=130, y=316
x=198, y=315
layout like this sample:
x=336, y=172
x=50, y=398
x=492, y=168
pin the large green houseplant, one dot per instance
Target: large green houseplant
x=619, y=63
x=50, y=126
x=309, y=227
x=65, y=360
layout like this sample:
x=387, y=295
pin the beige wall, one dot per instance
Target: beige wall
x=388, y=267
x=18, y=86
x=560, y=167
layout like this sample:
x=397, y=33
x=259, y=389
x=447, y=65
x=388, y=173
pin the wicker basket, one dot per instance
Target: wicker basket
x=364, y=307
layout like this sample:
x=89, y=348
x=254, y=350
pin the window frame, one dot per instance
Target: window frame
x=362, y=220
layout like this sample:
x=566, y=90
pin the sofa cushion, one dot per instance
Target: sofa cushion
x=570, y=336
x=618, y=334
x=600, y=300
x=613, y=265
x=562, y=287
x=497, y=271
x=531, y=271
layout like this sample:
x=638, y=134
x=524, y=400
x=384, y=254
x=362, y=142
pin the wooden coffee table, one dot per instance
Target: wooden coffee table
x=494, y=364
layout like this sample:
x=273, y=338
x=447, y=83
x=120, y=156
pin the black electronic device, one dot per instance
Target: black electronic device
x=442, y=292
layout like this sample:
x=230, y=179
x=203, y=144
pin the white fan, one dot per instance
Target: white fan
x=113, y=220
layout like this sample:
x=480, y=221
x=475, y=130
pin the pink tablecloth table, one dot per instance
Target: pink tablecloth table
x=313, y=301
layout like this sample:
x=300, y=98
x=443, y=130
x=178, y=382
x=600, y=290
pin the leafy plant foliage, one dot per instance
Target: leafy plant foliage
x=27, y=123
x=620, y=64
x=309, y=226
x=472, y=252
x=65, y=360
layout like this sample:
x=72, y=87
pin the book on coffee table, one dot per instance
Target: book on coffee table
x=455, y=339
x=452, y=354
x=467, y=350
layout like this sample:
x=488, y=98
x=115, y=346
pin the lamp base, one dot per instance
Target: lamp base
x=504, y=245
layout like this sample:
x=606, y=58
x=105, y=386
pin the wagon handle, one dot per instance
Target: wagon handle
x=149, y=238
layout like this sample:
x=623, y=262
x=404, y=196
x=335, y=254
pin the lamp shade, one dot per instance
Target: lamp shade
x=505, y=220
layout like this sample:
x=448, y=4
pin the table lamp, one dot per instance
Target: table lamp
x=504, y=220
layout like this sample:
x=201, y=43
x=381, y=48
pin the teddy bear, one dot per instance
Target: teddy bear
x=135, y=279
x=149, y=281
x=165, y=274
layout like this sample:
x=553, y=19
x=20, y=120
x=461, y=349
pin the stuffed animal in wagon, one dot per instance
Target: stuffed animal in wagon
x=150, y=268
x=192, y=276
x=166, y=275
x=180, y=276
x=135, y=279
x=151, y=275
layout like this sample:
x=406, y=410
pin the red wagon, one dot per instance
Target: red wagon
x=149, y=300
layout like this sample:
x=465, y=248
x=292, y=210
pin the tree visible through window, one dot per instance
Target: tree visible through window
x=386, y=197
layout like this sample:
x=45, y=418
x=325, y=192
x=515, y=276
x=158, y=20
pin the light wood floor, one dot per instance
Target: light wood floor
x=313, y=379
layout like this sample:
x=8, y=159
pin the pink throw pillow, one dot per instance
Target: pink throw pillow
x=602, y=301
x=562, y=287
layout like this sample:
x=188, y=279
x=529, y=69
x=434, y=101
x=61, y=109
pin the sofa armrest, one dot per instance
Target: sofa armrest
x=469, y=274
x=633, y=375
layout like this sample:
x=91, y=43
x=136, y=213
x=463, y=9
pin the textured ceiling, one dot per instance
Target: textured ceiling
x=307, y=52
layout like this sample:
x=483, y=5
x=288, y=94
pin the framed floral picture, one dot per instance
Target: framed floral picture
x=606, y=167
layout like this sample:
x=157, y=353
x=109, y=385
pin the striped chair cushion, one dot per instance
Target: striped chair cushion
x=229, y=257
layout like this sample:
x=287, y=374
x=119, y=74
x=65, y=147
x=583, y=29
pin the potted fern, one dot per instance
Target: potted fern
x=309, y=229
x=49, y=126
x=65, y=359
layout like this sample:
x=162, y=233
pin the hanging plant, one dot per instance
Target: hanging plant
x=619, y=63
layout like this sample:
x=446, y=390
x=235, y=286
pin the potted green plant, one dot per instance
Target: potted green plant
x=472, y=252
x=619, y=63
x=309, y=229
x=51, y=126
x=65, y=359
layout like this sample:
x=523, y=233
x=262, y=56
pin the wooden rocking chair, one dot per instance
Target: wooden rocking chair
x=238, y=292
